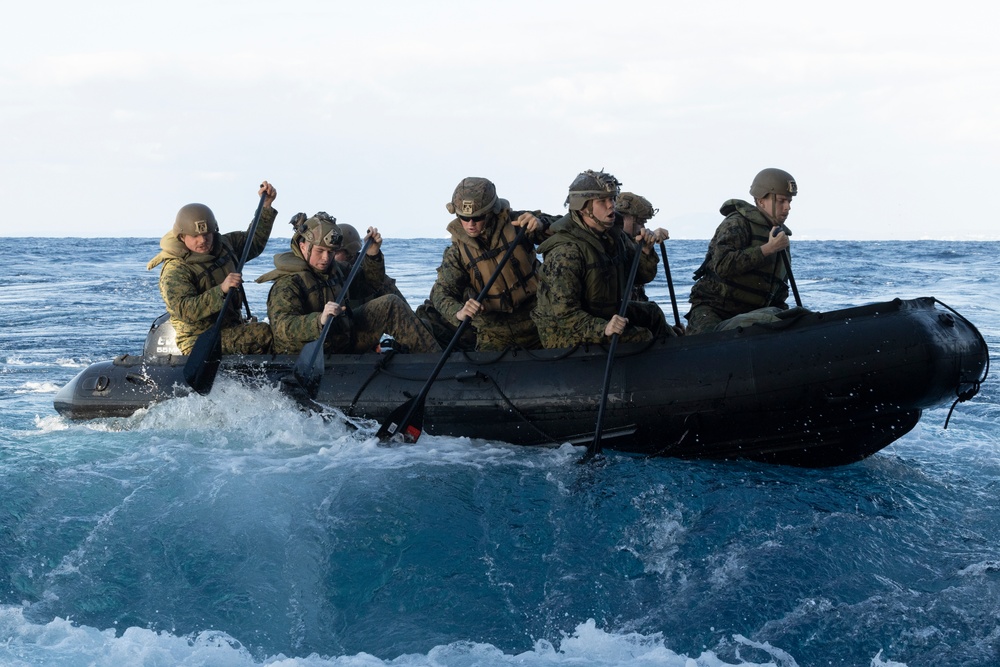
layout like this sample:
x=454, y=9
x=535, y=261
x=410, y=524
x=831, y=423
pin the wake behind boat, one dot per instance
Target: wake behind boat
x=815, y=389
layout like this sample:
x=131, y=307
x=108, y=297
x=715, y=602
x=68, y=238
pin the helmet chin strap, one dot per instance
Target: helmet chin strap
x=309, y=251
x=771, y=215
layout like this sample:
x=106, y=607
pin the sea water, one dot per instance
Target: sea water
x=234, y=529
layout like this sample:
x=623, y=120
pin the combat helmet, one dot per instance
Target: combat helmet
x=474, y=197
x=629, y=203
x=351, y=241
x=776, y=181
x=195, y=220
x=591, y=185
x=320, y=231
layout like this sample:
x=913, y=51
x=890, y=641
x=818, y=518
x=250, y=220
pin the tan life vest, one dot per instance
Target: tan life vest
x=517, y=282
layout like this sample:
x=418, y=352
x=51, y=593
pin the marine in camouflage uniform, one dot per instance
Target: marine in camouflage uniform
x=481, y=233
x=198, y=270
x=632, y=212
x=743, y=279
x=585, y=269
x=302, y=295
x=349, y=249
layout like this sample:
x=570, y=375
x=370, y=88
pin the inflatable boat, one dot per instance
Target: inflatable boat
x=815, y=389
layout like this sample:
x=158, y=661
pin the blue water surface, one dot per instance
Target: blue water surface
x=233, y=529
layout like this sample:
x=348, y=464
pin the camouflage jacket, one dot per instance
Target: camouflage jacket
x=736, y=277
x=582, y=278
x=299, y=294
x=189, y=281
x=638, y=291
x=460, y=276
x=361, y=293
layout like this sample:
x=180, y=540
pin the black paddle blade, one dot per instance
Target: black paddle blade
x=404, y=424
x=310, y=366
x=203, y=362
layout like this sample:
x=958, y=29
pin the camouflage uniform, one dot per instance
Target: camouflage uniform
x=190, y=286
x=366, y=292
x=736, y=278
x=362, y=293
x=582, y=278
x=296, y=300
x=629, y=203
x=639, y=294
x=444, y=330
x=505, y=320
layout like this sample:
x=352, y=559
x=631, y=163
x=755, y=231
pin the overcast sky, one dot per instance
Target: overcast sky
x=115, y=113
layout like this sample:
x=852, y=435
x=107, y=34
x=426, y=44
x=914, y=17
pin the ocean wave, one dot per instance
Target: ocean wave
x=62, y=642
x=981, y=568
x=32, y=387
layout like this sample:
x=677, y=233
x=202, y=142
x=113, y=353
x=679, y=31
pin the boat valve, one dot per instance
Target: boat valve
x=98, y=384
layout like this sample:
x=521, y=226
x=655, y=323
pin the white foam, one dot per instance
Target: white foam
x=61, y=642
x=31, y=387
x=50, y=424
x=19, y=361
x=72, y=363
x=981, y=568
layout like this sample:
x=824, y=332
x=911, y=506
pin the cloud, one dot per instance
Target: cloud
x=80, y=69
x=346, y=105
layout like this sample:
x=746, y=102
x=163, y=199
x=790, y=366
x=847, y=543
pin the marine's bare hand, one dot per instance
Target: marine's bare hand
x=469, y=310
x=373, y=249
x=777, y=242
x=528, y=221
x=231, y=281
x=268, y=190
x=331, y=309
x=616, y=325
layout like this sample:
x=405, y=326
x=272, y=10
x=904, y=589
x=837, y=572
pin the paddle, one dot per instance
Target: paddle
x=408, y=419
x=787, y=261
x=203, y=362
x=791, y=278
x=246, y=302
x=670, y=283
x=594, y=448
x=311, y=364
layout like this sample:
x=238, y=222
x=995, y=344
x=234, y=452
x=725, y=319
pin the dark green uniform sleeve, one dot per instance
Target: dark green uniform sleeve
x=368, y=281
x=260, y=237
x=733, y=254
x=373, y=270
x=452, y=284
x=647, y=266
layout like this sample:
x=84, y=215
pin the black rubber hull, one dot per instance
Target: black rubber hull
x=818, y=390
